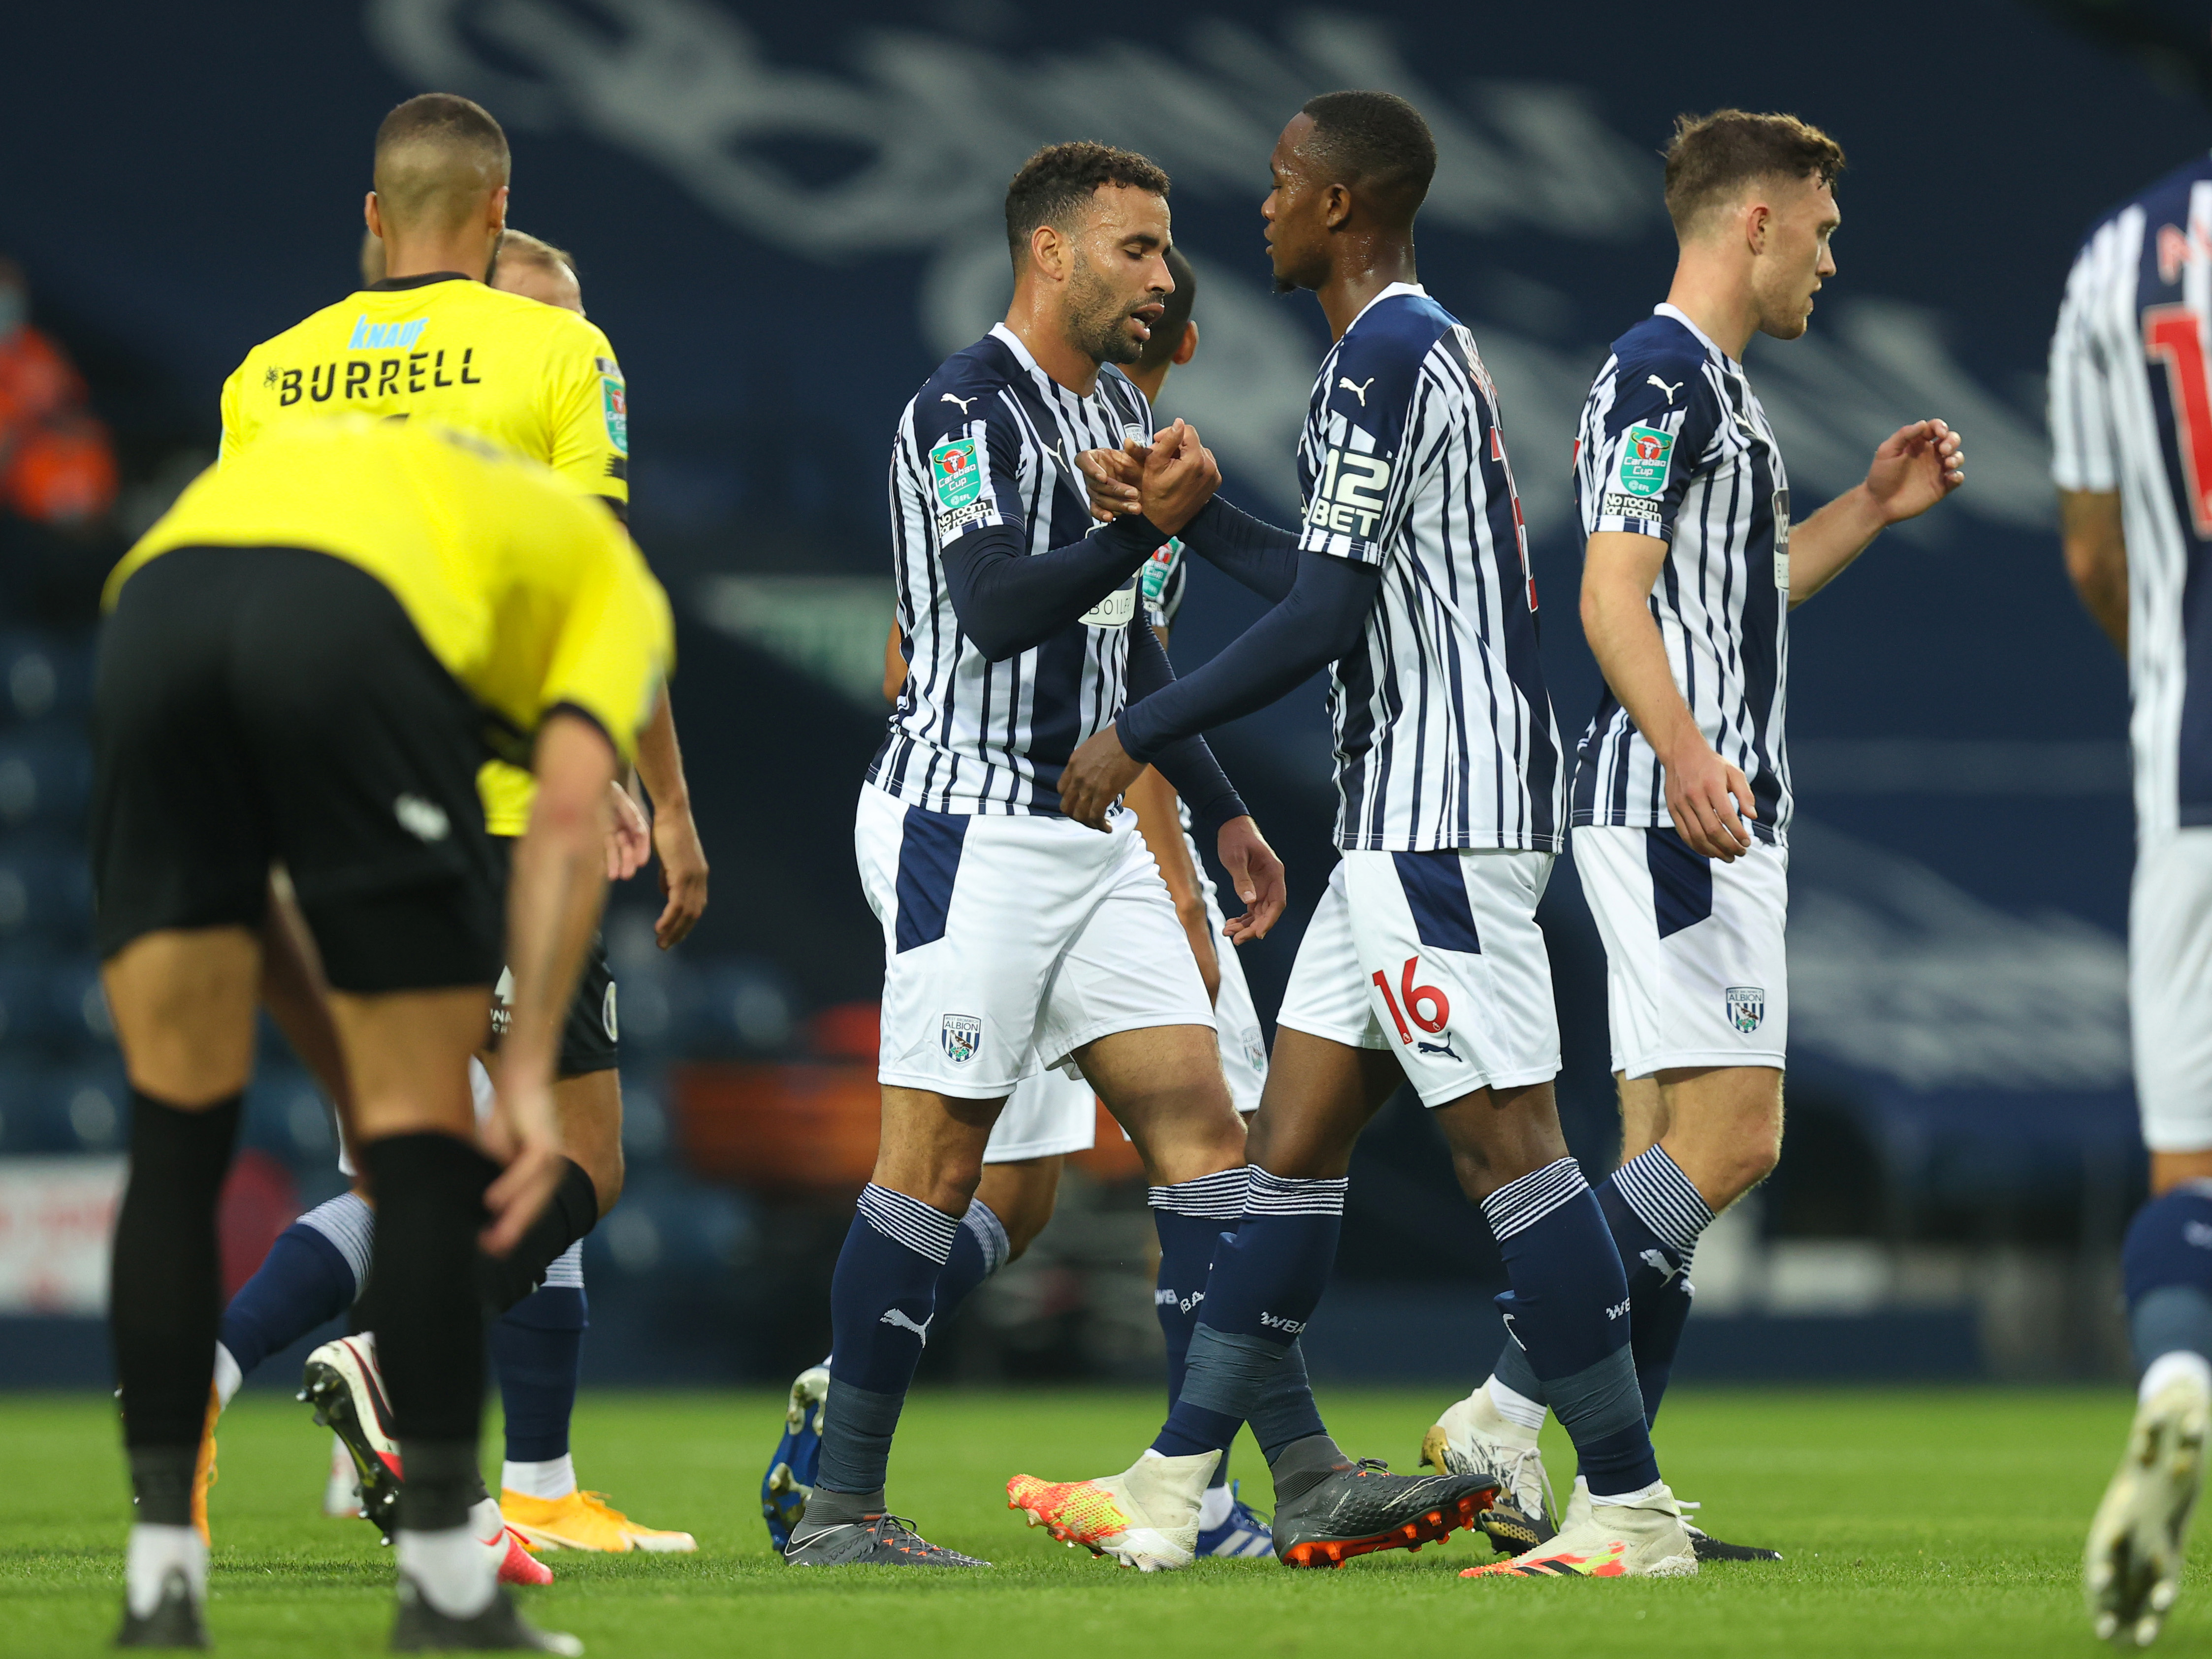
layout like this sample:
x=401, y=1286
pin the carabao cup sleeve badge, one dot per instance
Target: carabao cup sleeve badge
x=1644, y=451
x=953, y=471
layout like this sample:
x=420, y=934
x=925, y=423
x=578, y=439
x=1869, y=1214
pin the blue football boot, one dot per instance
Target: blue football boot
x=1245, y=1533
x=789, y=1481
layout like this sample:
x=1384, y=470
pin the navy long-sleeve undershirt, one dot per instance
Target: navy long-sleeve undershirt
x=1262, y=557
x=1321, y=617
x=1187, y=763
x=1009, y=600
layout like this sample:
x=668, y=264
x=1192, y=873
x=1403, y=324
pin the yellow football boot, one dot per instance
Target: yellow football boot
x=586, y=1521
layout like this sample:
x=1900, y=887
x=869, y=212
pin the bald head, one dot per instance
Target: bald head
x=439, y=158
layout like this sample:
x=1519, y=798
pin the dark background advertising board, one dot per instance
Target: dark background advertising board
x=784, y=218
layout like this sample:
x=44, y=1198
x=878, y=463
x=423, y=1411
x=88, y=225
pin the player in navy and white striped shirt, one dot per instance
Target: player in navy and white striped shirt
x=1014, y=938
x=1681, y=786
x=1424, y=961
x=2131, y=443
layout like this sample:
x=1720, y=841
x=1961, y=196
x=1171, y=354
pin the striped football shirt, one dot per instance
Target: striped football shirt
x=1443, y=731
x=1673, y=443
x=991, y=440
x=2130, y=412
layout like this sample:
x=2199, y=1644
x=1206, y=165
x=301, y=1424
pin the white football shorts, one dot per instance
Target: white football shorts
x=2170, y=989
x=1009, y=942
x=1436, y=957
x=1697, y=970
x=1236, y=1021
x=1048, y=1114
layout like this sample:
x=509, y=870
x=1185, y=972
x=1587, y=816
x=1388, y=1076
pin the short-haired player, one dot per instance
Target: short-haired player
x=1681, y=787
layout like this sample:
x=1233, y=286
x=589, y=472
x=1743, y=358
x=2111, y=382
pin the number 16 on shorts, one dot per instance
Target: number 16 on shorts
x=1425, y=1005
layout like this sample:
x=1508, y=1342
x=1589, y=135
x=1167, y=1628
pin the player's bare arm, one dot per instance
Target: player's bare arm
x=553, y=909
x=675, y=833
x=1915, y=467
x=2096, y=548
x=1704, y=793
x=1153, y=801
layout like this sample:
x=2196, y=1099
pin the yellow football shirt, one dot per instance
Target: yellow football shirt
x=531, y=596
x=532, y=378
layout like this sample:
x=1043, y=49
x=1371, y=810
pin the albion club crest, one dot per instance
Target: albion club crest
x=1746, y=1007
x=962, y=1035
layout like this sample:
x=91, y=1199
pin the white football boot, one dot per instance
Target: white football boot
x=1146, y=1517
x=2132, y=1567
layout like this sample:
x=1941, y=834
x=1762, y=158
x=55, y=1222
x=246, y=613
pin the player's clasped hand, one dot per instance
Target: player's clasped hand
x=1111, y=476
x=1703, y=793
x=1179, y=478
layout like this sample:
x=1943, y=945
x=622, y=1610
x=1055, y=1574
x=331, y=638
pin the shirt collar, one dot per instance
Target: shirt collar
x=1389, y=293
x=392, y=284
x=1663, y=309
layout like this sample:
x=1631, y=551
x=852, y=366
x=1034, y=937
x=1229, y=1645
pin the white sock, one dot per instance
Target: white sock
x=489, y=1525
x=227, y=1376
x=154, y=1553
x=1642, y=1494
x=456, y=1574
x=2179, y=1362
x=1515, y=1407
x=1213, y=1507
x=556, y=1478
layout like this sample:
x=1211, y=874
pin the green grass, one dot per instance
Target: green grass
x=1925, y=1522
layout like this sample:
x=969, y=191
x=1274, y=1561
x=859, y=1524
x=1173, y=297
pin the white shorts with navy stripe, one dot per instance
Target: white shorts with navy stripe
x=2170, y=988
x=1009, y=942
x=1436, y=957
x=1696, y=968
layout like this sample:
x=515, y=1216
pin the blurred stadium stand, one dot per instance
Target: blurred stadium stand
x=781, y=255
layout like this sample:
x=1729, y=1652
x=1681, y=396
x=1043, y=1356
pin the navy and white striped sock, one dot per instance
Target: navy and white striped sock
x=1266, y=1280
x=312, y=1272
x=1656, y=1214
x=1569, y=1312
x=881, y=1301
x=978, y=1250
x=1190, y=1218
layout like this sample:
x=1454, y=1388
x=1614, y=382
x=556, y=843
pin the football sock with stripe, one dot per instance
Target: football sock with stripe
x=1569, y=1312
x=1190, y=1218
x=1266, y=1280
x=166, y=1294
x=1656, y=1215
x=311, y=1275
x=881, y=1301
x=2166, y=1265
x=979, y=1248
x=537, y=1346
x=571, y=1212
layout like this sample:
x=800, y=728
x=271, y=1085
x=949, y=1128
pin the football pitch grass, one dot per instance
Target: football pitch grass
x=1939, y=1522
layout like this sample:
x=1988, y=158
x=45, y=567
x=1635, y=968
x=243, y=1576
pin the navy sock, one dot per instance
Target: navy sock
x=1265, y=1281
x=881, y=1301
x=1656, y=1214
x=979, y=1250
x=1569, y=1310
x=2166, y=1267
x=1190, y=1218
x=537, y=1346
x=307, y=1278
